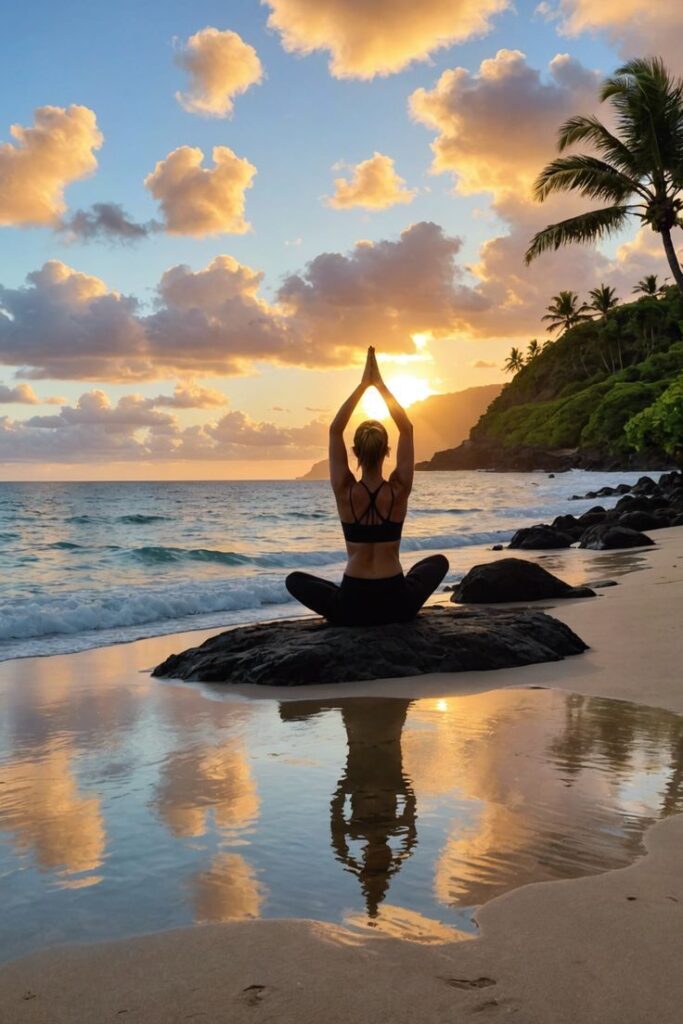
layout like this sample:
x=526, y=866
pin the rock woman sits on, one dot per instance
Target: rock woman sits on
x=374, y=590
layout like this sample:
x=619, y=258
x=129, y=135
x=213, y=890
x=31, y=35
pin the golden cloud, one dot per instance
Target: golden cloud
x=637, y=27
x=43, y=160
x=221, y=66
x=497, y=128
x=381, y=37
x=200, y=200
x=373, y=185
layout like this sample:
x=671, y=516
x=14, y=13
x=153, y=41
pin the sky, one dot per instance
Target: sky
x=209, y=211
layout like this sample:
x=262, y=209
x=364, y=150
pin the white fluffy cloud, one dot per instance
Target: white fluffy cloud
x=373, y=184
x=221, y=66
x=365, y=38
x=198, y=200
x=497, y=128
x=43, y=160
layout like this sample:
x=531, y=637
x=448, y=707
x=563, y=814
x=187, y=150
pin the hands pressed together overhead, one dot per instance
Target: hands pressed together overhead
x=371, y=373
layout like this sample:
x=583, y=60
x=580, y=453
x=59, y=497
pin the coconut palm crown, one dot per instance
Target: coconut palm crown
x=514, y=362
x=649, y=285
x=565, y=311
x=603, y=299
x=638, y=171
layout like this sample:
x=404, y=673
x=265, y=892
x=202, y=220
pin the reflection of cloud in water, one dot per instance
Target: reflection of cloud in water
x=401, y=923
x=199, y=782
x=545, y=776
x=227, y=891
x=41, y=805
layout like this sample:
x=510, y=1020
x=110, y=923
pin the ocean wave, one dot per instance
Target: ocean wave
x=138, y=519
x=160, y=555
x=88, y=611
x=443, y=511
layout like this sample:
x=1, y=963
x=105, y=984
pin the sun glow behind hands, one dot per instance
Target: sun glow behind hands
x=405, y=387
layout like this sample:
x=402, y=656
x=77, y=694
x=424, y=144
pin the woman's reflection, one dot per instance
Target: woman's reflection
x=373, y=809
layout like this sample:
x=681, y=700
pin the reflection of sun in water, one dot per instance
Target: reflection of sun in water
x=407, y=390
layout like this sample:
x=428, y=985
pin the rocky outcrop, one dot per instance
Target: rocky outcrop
x=304, y=651
x=540, y=538
x=513, y=579
x=609, y=536
x=489, y=454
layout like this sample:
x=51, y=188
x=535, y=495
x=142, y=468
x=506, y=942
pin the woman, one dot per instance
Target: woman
x=374, y=590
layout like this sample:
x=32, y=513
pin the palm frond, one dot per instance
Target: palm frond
x=592, y=130
x=591, y=177
x=586, y=227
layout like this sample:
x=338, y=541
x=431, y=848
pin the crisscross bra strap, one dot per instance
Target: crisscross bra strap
x=372, y=515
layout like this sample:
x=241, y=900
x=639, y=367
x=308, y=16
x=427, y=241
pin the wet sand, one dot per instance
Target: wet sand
x=606, y=948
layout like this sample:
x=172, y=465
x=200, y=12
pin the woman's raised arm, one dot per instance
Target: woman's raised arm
x=340, y=474
x=405, y=453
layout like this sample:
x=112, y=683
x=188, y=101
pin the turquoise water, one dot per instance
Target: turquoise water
x=85, y=565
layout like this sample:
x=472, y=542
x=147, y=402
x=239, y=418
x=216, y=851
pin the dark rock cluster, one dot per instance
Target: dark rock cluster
x=513, y=579
x=647, y=505
x=304, y=651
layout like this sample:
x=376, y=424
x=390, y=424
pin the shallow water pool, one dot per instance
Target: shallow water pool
x=129, y=805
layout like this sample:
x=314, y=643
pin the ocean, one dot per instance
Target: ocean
x=86, y=565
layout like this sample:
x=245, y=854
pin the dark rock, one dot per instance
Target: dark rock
x=607, y=536
x=551, y=476
x=570, y=525
x=540, y=538
x=640, y=521
x=591, y=494
x=592, y=518
x=605, y=492
x=677, y=520
x=645, y=485
x=622, y=489
x=632, y=504
x=307, y=651
x=663, y=517
x=513, y=579
x=497, y=547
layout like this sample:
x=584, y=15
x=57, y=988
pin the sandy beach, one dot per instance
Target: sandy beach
x=604, y=948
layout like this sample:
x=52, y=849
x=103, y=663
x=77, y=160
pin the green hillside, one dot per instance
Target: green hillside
x=611, y=385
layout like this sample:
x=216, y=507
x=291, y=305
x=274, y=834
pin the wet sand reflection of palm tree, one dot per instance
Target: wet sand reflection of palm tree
x=373, y=809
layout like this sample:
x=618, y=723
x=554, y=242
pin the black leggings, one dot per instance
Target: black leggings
x=360, y=602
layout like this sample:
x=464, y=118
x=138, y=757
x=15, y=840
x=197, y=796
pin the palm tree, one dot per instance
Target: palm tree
x=638, y=169
x=564, y=311
x=649, y=285
x=514, y=362
x=603, y=299
x=532, y=350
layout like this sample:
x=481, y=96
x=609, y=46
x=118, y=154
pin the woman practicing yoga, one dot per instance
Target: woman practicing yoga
x=373, y=590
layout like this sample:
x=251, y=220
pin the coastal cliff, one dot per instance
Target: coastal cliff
x=607, y=395
x=439, y=420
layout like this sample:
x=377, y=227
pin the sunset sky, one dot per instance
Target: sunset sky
x=208, y=211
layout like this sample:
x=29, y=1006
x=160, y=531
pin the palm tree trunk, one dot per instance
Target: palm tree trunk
x=672, y=258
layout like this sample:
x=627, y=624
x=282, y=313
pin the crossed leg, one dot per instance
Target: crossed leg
x=320, y=596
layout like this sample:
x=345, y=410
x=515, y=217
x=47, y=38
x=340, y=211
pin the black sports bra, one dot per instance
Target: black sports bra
x=372, y=527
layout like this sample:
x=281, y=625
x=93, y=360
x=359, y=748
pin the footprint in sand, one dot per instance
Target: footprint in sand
x=467, y=983
x=252, y=995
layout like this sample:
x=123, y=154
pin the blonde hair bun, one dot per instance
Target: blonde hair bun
x=370, y=443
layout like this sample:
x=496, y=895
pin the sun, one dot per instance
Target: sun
x=407, y=389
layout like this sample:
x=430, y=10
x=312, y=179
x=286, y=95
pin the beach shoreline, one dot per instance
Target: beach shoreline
x=601, y=948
